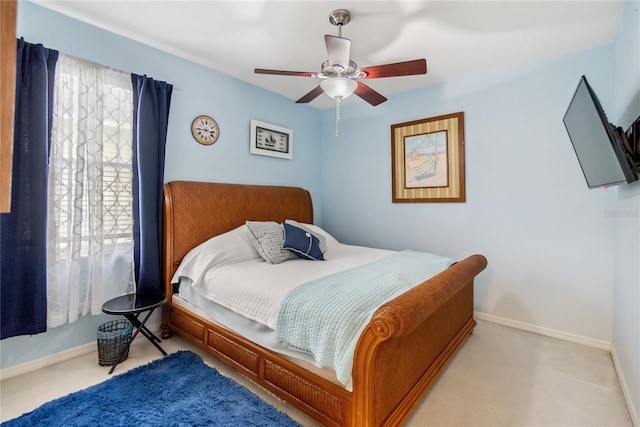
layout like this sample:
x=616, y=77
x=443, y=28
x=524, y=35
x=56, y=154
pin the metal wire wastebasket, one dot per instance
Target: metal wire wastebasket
x=112, y=337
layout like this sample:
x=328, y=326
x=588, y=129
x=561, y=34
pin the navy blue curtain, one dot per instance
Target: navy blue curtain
x=23, y=231
x=151, y=115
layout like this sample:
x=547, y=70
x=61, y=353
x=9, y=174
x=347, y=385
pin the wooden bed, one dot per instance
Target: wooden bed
x=400, y=353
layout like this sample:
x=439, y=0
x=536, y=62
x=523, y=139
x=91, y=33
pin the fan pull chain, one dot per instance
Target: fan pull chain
x=338, y=98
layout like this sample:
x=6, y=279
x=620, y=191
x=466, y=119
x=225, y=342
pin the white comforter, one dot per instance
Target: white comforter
x=228, y=271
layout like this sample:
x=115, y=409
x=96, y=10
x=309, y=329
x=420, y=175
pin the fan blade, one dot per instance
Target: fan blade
x=284, y=73
x=369, y=95
x=310, y=96
x=338, y=50
x=407, y=68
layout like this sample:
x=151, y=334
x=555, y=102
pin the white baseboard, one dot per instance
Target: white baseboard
x=32, y=365
x=579, y=339
x=43, y=362
x=633, y=411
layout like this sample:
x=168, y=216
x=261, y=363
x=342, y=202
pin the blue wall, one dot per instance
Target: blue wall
x=528, y=209
x=231, y=102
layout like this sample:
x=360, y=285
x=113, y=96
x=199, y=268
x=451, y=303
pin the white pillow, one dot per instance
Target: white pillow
x=232, y=247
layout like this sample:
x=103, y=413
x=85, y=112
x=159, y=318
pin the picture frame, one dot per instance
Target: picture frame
x=271, y=140
x=427, y=160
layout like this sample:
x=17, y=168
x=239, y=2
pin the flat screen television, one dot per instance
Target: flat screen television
x=598, y=144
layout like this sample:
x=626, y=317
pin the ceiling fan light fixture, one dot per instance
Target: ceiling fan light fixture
x=339, y=87
x=341, y=76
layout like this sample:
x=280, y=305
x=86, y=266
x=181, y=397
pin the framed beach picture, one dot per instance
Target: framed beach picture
x=427, y=160
x=271, y=140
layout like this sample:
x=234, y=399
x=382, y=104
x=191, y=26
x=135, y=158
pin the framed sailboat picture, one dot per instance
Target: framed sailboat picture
x=271, y=140
x=427, y=160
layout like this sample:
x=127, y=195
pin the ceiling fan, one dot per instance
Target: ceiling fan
x=341, y=76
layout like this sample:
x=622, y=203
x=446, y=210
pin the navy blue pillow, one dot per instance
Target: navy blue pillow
x=302, y=243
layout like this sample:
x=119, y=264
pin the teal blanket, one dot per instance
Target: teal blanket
x=326, y=316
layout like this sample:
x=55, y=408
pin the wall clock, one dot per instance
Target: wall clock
x=205, y=130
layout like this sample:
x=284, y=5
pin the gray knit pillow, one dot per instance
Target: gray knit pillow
x=267, y=237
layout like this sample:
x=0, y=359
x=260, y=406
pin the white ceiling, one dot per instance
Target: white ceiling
x=458, y=38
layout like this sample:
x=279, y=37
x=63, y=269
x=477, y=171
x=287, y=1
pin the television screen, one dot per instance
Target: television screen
x=596, y=142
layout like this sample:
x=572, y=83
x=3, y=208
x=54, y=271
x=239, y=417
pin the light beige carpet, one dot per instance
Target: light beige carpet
x=500, y=377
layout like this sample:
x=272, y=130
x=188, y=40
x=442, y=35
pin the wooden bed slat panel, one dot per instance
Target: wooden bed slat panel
x=249, y=359
x=192, y=328
x=299, y=388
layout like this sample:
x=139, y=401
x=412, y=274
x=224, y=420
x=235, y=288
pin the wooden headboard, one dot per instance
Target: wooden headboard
x=196, y=211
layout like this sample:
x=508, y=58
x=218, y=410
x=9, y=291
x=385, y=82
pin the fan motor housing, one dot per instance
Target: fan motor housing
x=351, y=71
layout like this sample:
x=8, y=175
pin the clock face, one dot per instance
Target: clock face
x=268, y=139
x=205, y=130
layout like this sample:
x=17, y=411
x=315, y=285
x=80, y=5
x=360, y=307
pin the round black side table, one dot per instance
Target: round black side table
x=131, y=306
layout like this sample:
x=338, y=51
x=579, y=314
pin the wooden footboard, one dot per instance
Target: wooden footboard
x=400, y=353
x=408, y=342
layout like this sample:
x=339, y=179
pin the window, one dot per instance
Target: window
x=90, y=219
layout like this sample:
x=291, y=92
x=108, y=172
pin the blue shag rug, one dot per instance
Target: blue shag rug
x=178, y=390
